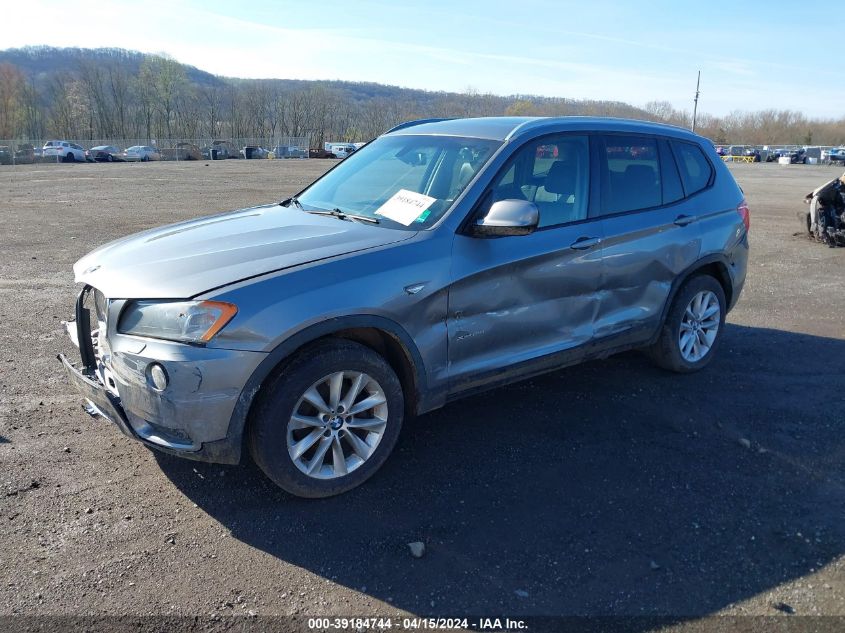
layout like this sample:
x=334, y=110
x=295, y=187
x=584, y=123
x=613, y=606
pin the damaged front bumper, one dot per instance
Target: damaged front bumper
x=190, y=417
x=100, y=401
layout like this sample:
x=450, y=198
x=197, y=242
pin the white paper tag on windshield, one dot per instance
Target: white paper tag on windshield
x=405, y=206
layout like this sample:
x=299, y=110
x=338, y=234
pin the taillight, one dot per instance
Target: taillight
x=745, y=214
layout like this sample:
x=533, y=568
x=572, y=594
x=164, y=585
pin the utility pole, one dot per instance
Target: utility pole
x=695, y=101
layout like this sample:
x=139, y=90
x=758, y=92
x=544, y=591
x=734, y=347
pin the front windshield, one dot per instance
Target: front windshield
x=404, y=181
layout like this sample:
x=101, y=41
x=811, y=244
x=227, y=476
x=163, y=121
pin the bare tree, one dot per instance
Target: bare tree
x=145, y=89
x=11, y=94
x=119, y=86
x=71, y=108
x=169, y=80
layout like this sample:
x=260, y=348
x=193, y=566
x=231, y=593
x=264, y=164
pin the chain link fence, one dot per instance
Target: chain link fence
x=30, y=151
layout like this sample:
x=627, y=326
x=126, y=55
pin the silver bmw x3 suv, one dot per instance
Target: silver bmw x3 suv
x=443, y=258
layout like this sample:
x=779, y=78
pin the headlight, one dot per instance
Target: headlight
x=101, y=305
x=184, y=321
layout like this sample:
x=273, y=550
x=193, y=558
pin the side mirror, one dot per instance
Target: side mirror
x=507, y=217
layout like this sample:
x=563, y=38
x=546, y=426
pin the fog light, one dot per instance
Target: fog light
x=157, y=376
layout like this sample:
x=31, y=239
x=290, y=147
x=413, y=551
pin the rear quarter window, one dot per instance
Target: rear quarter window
x=696, y=170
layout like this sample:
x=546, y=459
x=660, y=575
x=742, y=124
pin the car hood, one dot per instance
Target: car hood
x=186, y=259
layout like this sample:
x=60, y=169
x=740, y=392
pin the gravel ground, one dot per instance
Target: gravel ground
x=610, y=488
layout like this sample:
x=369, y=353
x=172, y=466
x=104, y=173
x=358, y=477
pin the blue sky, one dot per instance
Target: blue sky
x=752, y=55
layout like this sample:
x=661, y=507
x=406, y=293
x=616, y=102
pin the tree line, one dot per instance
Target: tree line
x=115, y=94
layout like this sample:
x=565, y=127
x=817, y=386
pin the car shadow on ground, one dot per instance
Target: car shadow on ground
x=609, y=488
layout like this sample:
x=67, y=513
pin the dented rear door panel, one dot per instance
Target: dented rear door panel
x=644, y=252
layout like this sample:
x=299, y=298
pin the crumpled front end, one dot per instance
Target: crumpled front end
x=172, y=396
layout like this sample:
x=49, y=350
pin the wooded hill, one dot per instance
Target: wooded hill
x=112, y=93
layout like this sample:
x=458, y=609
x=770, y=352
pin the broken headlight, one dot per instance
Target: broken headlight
x=183, y=321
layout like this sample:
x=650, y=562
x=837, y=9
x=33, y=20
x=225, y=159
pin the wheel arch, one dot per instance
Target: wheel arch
x=716, y=266
x=382, y=335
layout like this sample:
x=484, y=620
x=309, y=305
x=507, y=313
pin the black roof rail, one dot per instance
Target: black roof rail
x=402, y=126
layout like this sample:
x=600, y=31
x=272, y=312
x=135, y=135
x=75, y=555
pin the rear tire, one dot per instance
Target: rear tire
x=69, y=157
x=692, y=330
x=324, y=449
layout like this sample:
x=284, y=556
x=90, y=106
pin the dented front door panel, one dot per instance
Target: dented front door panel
x=518, y=299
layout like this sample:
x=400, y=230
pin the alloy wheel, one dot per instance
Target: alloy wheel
x=699, y=326
x=337, y=424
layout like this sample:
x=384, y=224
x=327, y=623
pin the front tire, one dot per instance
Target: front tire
x=328, y=420
x=693, y=327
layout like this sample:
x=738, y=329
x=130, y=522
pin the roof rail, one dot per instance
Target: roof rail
x=402, y=126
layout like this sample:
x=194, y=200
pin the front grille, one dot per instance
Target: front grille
x=92, y=337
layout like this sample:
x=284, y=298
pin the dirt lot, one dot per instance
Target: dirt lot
x=611, y=488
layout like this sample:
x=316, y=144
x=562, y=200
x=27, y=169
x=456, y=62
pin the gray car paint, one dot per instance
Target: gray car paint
x=485, y=311
x=182, y=260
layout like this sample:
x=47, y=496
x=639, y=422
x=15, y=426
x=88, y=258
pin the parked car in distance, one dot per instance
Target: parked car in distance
x=220, y=150
x=19, y=155
x=24, y=154
x=289, y=151
x=103, y=154
x=254, y=151
x=340, y=150
x=755, y=152
x=836, y=155
x=774, y=154
x=140, y=153
x=316, y=152
x=444, y=258
x=182, y=151
x=63, y=151
x=796, y=156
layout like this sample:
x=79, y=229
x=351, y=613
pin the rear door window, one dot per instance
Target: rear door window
x=696, y=170
x=630, y=173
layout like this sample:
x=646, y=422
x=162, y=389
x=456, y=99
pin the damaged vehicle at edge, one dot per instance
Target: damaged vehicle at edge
x=824, y=220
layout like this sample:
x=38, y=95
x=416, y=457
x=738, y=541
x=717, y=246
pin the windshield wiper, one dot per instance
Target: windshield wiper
x=337, y=213
x=293, y=200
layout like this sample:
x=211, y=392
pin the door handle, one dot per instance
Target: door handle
x=583, y=243
x=684, y=220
